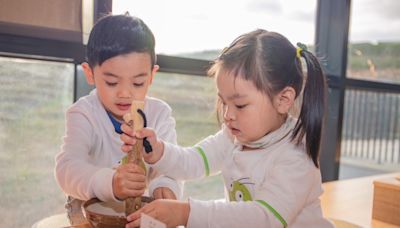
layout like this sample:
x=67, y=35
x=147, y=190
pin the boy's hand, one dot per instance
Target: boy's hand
x=129, y=180
x=129, y=139
x=171, y=212
x=164, y=193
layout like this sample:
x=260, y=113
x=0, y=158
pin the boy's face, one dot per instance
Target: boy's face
x=120, y=80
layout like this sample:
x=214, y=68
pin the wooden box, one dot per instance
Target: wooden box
x=386, y=204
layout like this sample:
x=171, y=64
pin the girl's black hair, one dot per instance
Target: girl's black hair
x=115, y=35
x=270, y=61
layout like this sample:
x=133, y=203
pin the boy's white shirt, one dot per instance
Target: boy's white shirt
x=280, y=176
x=92, y=148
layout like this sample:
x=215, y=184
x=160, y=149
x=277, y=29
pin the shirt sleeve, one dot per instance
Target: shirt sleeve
x=165, y=129
x=204, y=159
x=74, y=172
x=284, y=193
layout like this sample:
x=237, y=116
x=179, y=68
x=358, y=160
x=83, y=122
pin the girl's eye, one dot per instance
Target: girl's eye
x=241, y=106
x=111, y=84
x=138, y=84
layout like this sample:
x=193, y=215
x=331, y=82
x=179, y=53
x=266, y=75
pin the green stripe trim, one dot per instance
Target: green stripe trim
x=203, y=155
x=277, y=215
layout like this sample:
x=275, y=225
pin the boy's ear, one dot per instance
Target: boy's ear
x=88, y=73
x=153, y=72
x=284, y=100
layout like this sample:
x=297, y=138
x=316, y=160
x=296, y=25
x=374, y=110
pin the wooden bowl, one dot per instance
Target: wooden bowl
x=107, y=214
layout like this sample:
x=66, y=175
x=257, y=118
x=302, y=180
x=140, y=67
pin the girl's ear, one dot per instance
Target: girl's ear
x=153, y=72
x=284, y=100
x=88, y=73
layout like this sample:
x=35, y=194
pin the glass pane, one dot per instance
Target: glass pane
x=192, y=99
x=374, y=47
x=199, y=29
x=370, y=134
x=34, y=97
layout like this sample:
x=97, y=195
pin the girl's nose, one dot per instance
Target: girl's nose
x=228, y=114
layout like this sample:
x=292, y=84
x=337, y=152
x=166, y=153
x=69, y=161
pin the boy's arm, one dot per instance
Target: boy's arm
x=74, y=172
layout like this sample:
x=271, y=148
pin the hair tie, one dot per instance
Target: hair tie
x=298, y=52
x=300, y=47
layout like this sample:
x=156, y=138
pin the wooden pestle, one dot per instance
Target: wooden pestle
x=133, y=204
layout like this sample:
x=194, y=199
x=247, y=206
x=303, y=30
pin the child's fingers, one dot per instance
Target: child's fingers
x=127, y=129
x=134, y=216
x=145, y=132
x=135, y=178
x=132, y=192
x=127, y=139
x=133, y=168
x=127, y=148
x=133, y=185
x=158, y=193
x=168, y=194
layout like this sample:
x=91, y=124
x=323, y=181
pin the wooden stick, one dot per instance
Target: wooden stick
x=135, y=156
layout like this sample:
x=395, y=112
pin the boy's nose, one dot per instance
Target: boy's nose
x=124, y=92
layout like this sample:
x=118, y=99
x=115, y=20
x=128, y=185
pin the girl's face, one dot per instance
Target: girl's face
x=120, y=80
x=248, y=113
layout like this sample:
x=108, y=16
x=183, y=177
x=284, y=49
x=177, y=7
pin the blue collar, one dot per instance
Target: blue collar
x=115, y=122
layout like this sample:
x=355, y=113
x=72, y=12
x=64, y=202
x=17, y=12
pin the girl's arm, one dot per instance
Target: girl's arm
x=165, y=128
x=204, y=159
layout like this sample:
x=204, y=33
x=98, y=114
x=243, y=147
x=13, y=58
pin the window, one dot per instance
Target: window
x=34, y=97
x=192, y=99
x=200, y=29
x=374, y=46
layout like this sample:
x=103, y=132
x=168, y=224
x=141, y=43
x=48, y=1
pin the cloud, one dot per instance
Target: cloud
x=384, y=9
x=375, y=21
x=264, y=6
x=303, y=16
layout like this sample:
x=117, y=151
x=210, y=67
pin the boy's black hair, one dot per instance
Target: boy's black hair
x=115, y=35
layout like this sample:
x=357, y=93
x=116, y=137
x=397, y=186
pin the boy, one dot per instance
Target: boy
x=121, y=65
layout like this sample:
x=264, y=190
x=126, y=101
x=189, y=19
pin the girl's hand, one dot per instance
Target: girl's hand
x=129, y=180
x=171, y=212
x=129, y=138
x=164, y=193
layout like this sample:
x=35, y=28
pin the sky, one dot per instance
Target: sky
x=182, y=26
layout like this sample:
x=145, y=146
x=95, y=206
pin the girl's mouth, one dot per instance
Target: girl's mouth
x=235, y=131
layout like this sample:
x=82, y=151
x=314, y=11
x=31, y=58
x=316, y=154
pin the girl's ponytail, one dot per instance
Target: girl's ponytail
x=313, y=106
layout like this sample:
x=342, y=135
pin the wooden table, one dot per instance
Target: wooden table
x=351, y=200
x=57, y=221
x=344, y=200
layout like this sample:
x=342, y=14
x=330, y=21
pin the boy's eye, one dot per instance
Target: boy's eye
x=241, y=106
x=111, y=83
x=138, y=84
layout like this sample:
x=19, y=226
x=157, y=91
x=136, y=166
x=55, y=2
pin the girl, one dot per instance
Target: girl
x=268, y=159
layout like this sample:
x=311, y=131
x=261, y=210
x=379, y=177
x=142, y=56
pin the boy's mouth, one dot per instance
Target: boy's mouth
x=123, y=107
